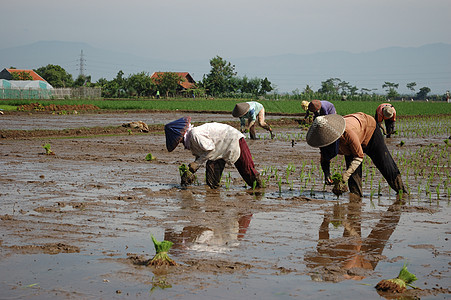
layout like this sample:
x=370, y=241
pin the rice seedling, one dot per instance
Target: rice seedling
x=398, y=284
x=161, y=257
x=279, y=183
x=228, y=180
x=340, y=186
x=48, y=150
x=254, y=185
x=186, y=176
x=150, y=157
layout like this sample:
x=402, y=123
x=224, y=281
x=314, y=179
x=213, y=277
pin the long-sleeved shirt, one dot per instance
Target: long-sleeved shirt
x=358, y=132
x=252, y=114
x=213, y=141
x=327, y=108
x=380, y=114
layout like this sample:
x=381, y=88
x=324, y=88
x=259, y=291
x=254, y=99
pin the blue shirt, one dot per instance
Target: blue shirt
x=253, y=112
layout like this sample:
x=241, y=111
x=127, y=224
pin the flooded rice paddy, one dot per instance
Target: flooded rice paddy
x=77, y=224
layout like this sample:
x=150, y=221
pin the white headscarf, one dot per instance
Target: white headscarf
x=187, y=136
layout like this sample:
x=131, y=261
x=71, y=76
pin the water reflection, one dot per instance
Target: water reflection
x=350, y=256
x=214, y=227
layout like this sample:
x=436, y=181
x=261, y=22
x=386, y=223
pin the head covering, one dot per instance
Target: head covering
x=304, y=105
x=325, y=130
x=314, y=106
x=175, y=131
x=240, y=109
x=388, y=111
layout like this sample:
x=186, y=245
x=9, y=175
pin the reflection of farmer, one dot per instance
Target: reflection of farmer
x=218, y=236
x=352, y=136
x=216, y=144
x=254, y=113
x=386, y=112
x=351, y=252
x=319, y=108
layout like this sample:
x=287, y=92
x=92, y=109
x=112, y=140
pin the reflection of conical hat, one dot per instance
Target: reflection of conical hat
x=240, y=109
x=388, y=112
x=175, y=131
x=304, y=105
x=315, y=105
x=325, y=130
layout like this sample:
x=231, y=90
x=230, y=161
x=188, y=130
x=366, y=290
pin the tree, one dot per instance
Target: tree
x=141, y=84
x=422, y=94
x=251, y=86
x=391, y=89
x=168, y=82
x=82, y=80
x=411, y=86
x=265, y=87
x=219, y=79
x=330, y=86
x=24, y=75
x=109, y=88
x=115, y=88
x=56, y=76
x=308, y=89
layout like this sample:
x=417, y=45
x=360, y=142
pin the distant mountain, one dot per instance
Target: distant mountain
x=429, y=65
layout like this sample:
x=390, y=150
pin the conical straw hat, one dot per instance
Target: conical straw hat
x=325, y=130
x=175, y=131
x=388, y=112
x=240, y=109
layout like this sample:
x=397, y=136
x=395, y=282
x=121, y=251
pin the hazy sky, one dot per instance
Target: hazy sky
x=202, y=29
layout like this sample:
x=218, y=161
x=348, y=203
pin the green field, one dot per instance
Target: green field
x=271, y=106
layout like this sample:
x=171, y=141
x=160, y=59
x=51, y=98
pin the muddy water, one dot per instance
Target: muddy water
x=49, y=121
x=70, y=223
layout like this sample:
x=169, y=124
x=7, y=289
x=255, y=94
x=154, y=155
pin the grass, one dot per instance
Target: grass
x=271, y=106
x=8, y=107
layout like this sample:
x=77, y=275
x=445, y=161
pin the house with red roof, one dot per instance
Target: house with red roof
x=7, y=74
x=187, y=83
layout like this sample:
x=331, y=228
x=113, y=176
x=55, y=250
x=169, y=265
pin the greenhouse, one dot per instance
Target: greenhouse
x=25, y=89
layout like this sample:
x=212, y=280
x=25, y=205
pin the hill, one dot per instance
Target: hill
x=429, y=65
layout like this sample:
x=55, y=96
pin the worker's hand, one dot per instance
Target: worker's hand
x=328, y=181
x=193, y=167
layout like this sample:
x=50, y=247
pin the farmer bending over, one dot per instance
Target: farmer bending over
x=386, y=112
x=320, y=108
x=216, y=144
x=352, y=136
x=254, y=113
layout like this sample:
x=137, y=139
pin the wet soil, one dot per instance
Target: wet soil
x=77, y=224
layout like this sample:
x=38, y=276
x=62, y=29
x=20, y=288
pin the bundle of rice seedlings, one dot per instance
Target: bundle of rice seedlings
x=187, y=177
x=161, y=257
x=150, y=157
x=48, y=151
x=340, y=186
x=398, y=284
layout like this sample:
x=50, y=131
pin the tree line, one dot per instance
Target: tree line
x=222, y=81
